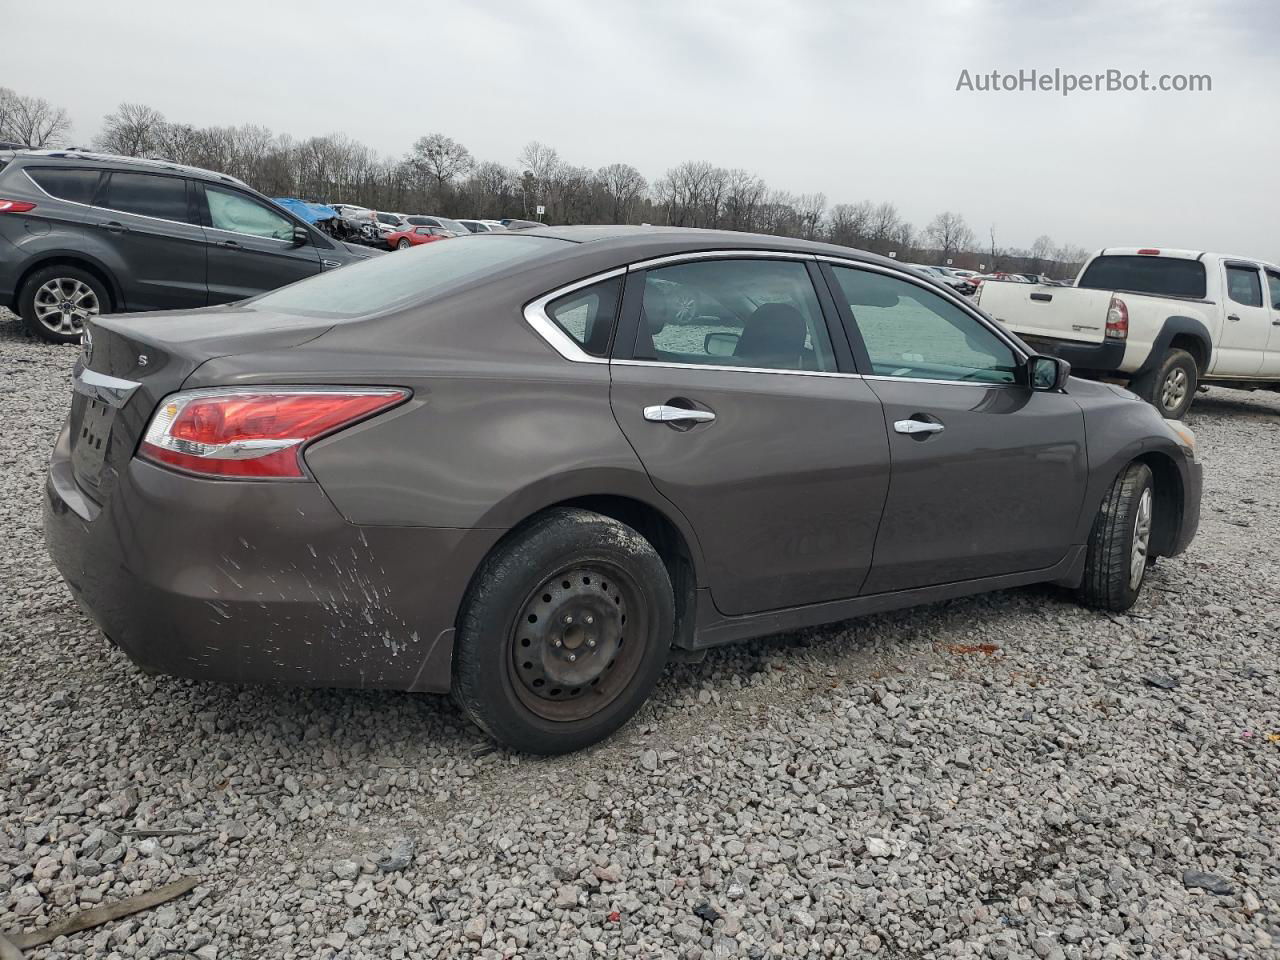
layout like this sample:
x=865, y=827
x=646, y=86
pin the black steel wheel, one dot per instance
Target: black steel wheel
x=564, y=631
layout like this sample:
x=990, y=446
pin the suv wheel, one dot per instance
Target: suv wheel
x=563, y=633
x=1119, y=546
x=55, y=301
x=1172, y=385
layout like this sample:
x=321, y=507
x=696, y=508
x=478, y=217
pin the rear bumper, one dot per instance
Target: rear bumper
x=259, y=582
x=1105, y=357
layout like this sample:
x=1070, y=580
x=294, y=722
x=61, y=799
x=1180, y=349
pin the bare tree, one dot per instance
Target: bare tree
x=131, y=130
x=809, y=208
x=850, y=223
x=437, y=160
x=949, y=234
x=623, y=185
x=32, y=120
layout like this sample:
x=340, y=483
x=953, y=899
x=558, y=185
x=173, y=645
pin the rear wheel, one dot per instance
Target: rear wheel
x=55, y=301
x=563, y=633
x=1119, y=548
x=1172, y=385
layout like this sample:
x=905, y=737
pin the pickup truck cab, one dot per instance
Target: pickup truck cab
x=1163, y=321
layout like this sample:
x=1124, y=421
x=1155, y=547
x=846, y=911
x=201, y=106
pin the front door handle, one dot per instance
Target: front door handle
x=917, y=426
x=662, y=413
x=1233, y=317
x=229, y=244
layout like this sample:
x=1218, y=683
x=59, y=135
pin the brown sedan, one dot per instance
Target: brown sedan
x=522, y=467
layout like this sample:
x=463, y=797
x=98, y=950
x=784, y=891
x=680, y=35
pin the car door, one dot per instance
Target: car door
x=251, y=245
x=1271, y=359
x=151, y=221
x=728, y=385
x=988, y=476
x=1247, y=322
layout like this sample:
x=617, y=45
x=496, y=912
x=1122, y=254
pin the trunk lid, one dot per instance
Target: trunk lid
x=1059, y=313
x=129, y=363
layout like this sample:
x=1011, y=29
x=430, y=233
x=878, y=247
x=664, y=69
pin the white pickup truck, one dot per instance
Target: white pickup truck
x=1163, y=321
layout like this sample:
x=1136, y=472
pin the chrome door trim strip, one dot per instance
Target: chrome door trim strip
x=728, y=369
x=535, y=314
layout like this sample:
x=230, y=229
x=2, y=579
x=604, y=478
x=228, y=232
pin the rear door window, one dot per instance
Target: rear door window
x=1273, y=288
x=78, y=186
x=588, y=315
x=1159, y=276
x=149, y=195
x=755, y=313
x=1244, y=286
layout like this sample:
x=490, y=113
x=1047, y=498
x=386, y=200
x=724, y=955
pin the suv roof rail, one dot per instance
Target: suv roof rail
x=72, y=153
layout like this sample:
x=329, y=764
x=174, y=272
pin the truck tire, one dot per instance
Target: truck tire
x=1171, y=386
x=1119, y=547
x=563, y=633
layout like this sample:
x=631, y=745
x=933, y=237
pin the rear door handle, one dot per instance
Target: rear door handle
x=662, y=413
x=917, y=426
x=114, y=226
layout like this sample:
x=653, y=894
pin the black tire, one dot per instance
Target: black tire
x=516, y=673
x=1110, y=561
x=403, y=244
x=70, y=277
x=1171, y=386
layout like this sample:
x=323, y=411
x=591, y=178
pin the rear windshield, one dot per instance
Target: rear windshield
x=1161, y=276
x=400, y=279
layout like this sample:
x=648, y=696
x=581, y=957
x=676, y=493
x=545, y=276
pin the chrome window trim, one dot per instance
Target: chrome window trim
x=535, y=314
x=726, y=369
x=719, y=254
x=26, y=172
x=945, y=383
x=949, y=295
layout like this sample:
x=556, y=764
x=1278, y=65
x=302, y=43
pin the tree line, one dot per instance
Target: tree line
x=438, y=175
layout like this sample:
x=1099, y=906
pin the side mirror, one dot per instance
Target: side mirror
x=300, y=237
x=1047, y=373
x=720, y=344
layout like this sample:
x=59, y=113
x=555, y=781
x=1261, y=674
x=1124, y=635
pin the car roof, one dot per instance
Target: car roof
x=83, y=157
x=683, y=239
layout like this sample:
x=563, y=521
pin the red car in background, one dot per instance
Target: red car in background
x=404, y=239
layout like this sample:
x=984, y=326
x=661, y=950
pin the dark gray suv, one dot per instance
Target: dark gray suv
x=83, y=234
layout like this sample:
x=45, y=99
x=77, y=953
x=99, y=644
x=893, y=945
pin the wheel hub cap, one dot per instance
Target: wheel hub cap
x=63, y=304
x=1141, y=541
x=569, y=635
x=1175, y=389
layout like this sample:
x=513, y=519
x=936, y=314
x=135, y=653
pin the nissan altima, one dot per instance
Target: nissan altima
x=522, y=467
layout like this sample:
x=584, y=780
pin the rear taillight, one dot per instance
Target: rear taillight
x=15, y=206
x=1117, y=320
x=1148, y=252
x=254, y=432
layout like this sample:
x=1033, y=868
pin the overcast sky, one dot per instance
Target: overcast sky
x=856, y=100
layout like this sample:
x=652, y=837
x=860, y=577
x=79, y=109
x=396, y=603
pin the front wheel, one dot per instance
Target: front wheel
x=563, y=633
x=403, y=244
x=1119, y=546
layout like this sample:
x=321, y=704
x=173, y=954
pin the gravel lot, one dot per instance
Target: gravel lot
x=1008, y=776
